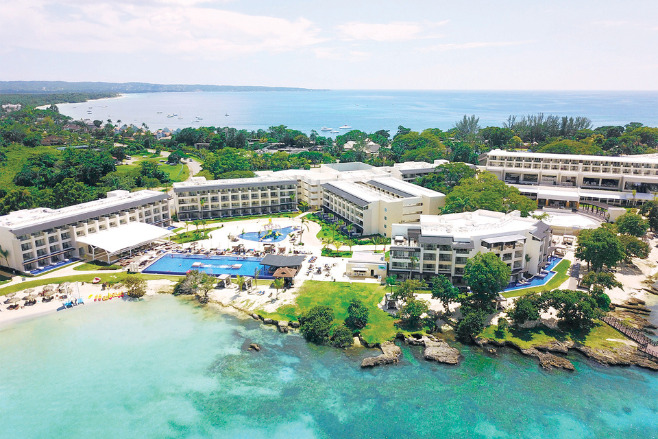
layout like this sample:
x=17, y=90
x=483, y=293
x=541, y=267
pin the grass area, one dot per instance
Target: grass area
x=337, y=295
x=193, y=235
x=17, y=156
x=326, y=233
x=176, y=173
x=597, y=338
x=561, y=275
x=110, y=278
x=334, y=254
x=96, y=265
x=249, y=217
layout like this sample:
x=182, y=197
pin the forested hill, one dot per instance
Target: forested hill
x=126, y=87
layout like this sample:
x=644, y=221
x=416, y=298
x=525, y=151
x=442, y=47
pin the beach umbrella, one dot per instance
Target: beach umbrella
x=48, y=293
x=30, y=297
x=15, y=300
x=48, y=288
x=29, y=291
x=9, y=295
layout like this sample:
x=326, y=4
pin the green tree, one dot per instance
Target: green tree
x=240, y=281
x=634, y=247
x=601, y=279
x=446, y=176
x=70, y=192
x=575, y=309
x=486, y=274
x=206, y=283
x=445, y=291
x=315, y=324
x=278, y=284
x=342, y=337
x=485, y=191
x=632, y=224
x=391, y=281
x=653, y=219
x=503, y=325
x=599, y=247
x=471, y=325
x=412, y=311
x=135, y=286
x=357, y=315
x=526, y=308
x=408, y=288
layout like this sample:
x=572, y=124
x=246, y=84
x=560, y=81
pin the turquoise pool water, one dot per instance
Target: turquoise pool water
x=536, y=281
x=260, y=236
x=166, y=368
x=173, y=263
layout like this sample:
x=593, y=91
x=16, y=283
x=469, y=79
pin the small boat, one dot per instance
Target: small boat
x=226, y=115
x=335, y=131
x=325, y=129
x=345, y=127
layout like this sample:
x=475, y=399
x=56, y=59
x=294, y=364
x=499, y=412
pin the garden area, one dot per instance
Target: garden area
x=330, y=232
x=561, y=275
x=96, y=265
x=338, y=295
x=194, y=235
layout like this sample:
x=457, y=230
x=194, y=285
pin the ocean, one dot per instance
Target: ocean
x=167, y=368
x=365, y=110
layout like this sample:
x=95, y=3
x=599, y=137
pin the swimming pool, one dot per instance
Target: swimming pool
x=260, y=236
x=173, y=263
x=536, y=281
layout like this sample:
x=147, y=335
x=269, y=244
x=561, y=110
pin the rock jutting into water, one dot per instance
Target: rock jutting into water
x=390, y=354
x=435, y=349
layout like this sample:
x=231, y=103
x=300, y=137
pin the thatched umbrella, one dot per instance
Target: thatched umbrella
x=14, y=300
x=48, y=293
x=9, y=295
x=29, y=291
x=48, y=288
x=30, y=296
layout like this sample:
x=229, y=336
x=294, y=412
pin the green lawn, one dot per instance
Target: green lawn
x=326, y=233
x=561, y=275
x=334, y=254
x=176, y=173
x=17, y=155
x=97, y=265
x=597, y=338
x=193, y=235
x=111, y=278
x=381, y=326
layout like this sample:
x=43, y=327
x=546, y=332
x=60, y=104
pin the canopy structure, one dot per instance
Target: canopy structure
x=122, y=239
x=285, y=272
x=282, y=261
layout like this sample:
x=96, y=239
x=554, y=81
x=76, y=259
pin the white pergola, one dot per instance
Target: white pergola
x=122, y=239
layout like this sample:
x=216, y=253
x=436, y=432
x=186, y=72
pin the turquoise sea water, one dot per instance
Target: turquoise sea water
x=164, y=368
x=365, y=110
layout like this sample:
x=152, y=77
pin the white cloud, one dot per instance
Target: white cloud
x=388, y=32
x=471, y=45
x=162, y=26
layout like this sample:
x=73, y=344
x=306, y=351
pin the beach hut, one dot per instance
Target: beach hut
x=224, y=280
x=287, y=274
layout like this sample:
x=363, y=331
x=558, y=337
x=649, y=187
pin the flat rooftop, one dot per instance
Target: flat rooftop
x=357, y=193
x=620, y=159
x=480, y=223
x=30, y=220
x=405, y=189
x=202, y=184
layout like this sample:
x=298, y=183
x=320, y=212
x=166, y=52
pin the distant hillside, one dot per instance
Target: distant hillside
x=126, y=87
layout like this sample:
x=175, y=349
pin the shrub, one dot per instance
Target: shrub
x=357, y=315
x=342, y=337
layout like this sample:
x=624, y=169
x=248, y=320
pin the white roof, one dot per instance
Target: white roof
x=124, y=237
x=367, y=257
x=481, y=223
x=543, y=155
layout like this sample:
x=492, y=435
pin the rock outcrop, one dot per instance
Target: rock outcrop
x=390, y=354
x=549, y=361
x=254, y=347
x=435, y=349
x=283, y=326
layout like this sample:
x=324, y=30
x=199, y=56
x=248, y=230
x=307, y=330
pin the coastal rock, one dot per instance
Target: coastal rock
x=255, y=316
x=283, y=326
x=390, y=354
x=549, y=361
x=294, y=324
x=254, y=347
x=440, y=352
x=268, y=321
x=555, y=347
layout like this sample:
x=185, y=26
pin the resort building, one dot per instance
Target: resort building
x=565, y=180
x=370, y=198
x=203, y=199
x=100, y=229
x=441, y=244
x=367, y=264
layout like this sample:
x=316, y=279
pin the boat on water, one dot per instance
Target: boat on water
x=335, y=131
x=325, y=129
x=345, y=127
x=226, y=115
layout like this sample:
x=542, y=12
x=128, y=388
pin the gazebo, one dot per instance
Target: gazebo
x=287, y=274
x=224, y=280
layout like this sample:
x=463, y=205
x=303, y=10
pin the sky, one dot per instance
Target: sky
x=338, y=44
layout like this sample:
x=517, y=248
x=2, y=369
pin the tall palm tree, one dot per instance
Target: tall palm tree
x=301, y=230
x=278, y=284
x=240, y=281
x=256, y=275
x=391, y=281
x=350, y=227
x=5, y=255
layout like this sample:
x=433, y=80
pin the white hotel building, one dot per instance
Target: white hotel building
x=565, y=180
x=370, y=198
x=42, y=236
x=441, y=244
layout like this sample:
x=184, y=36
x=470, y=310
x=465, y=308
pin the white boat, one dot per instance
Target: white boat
x=325, y=129
x=335, y=131
x=226, y=114
x=345, y=127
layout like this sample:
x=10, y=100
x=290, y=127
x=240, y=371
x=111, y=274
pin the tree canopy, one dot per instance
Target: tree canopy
x=599, y=247
x=486, y=274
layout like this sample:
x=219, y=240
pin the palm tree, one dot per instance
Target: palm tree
x=350, y=243
x=240, y=281
x=337, y=243
x=350, y=227
x=391, y=281
x=379, y=239
x=196, y=223
x=5, y=255
x=256, y=275
x=412, y=264
x=301, y=230
x=278, y=284
x=334, y=228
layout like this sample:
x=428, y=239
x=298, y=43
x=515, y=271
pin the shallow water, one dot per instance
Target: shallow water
x=166, y=368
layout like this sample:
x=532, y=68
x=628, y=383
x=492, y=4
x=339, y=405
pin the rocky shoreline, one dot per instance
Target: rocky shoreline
x=550, y=355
